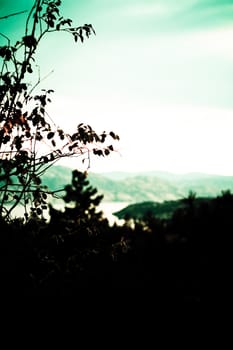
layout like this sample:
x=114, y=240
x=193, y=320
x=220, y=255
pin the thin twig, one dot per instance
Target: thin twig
x=13, y=14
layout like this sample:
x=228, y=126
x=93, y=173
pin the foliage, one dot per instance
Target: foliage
x=29, y=141
x=82, y=200
x=181, y=258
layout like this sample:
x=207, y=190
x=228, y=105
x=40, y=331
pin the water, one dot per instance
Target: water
x=108, y=208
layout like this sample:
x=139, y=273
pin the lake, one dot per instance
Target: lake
x=108, y=209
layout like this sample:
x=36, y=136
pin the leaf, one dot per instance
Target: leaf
x=50, y=135
x=19, y=104
x=39, y=211
x=51, y=23
x=29, y=41
x=36, y=180
x=29, y=69
x=44, y=195
x=93, y=30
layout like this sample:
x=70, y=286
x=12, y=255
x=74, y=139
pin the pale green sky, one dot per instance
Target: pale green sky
x=159, y=73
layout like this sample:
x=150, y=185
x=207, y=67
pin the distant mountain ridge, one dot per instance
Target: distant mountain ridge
x=144, y=186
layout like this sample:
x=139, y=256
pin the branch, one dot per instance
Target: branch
x=4, y=36
x=13, y=14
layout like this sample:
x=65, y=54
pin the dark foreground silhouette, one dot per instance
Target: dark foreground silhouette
x=182, y=259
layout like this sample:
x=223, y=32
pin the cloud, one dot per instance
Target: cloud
x=148, y=9
x=210, y=13
x=210, y=4
x=172, y=15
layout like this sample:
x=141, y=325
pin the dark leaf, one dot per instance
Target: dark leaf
x=44, y=195
x=51, y=23
x=39, y=211
x=45, y=159
x=29, y=69
x=19, y=104
x=50, y=135
x=29, y=41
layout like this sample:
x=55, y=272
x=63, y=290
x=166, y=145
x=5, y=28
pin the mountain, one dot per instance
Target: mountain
x=144, y=186
x=140, y=210
x=158, y=186
x=163, y=210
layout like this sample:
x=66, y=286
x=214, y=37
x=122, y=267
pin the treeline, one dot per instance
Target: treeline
x=182, y=259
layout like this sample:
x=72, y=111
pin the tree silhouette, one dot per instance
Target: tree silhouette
x=24, y=123
x=82, y=200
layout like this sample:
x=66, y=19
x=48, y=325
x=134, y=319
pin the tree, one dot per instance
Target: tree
x=82, y=200
x=24, y=123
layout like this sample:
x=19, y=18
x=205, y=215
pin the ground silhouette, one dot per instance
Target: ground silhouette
x=179, y=258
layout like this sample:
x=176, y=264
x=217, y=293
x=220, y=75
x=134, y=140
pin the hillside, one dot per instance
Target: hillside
x=144, y=187
x=163, y=210
x=140, y=210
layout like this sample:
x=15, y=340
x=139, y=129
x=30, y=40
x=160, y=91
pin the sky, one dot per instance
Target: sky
x=158, y=73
